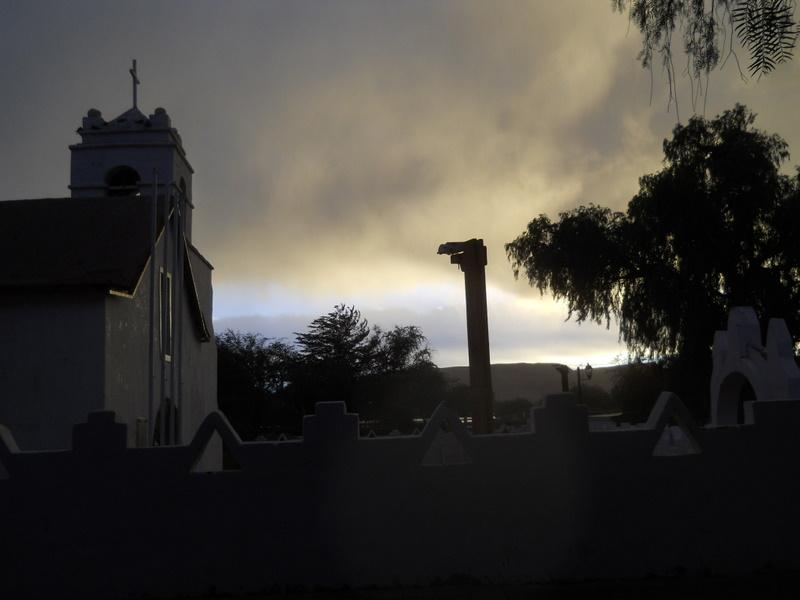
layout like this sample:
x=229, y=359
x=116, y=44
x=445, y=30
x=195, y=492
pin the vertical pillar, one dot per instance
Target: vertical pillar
x=471, y=257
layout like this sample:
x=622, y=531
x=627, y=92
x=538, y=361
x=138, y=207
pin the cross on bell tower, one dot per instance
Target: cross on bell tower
x=135, y=82
x=121, y=156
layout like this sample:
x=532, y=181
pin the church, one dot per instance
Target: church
x=105, y=303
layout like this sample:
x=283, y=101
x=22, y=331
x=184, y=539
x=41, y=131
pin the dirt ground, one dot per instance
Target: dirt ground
x=751, y=586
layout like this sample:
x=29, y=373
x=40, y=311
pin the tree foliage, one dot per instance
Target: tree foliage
x=388, y=377
x=339, y=340
x=717, y=227
x=766, y=29
x=252, y=371
x=636, y=388
x=596, y=399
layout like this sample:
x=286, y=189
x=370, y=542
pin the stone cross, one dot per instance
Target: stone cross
x=136, y=81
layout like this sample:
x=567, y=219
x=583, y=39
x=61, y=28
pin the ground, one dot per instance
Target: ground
x=766, y=584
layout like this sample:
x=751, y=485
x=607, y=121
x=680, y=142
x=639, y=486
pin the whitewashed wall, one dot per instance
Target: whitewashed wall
x=333, y=509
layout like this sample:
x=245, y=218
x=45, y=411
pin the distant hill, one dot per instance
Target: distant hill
x=531, y=381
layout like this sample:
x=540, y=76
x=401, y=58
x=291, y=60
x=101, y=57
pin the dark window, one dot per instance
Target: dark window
x=165, y=315
x=167, y=427
x=122, y=181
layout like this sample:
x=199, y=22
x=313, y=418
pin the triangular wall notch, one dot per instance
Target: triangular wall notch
x=446, y=440
x=216, y=446
x=678, y=432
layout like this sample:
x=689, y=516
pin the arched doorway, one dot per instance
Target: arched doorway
x=734, y=391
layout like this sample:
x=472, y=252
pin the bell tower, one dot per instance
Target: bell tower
x=123, y=157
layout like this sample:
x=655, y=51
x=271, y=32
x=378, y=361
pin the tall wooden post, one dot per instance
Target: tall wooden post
x=471, y=257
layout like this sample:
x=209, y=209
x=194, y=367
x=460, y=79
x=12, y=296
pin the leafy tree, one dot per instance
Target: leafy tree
x=386, y=376
x=718, y=226
x=595, y=398
x=340, y=339
x=403, y=383
x=337, y=349
x=251, y=372
x=637, y=386
x=393, y=399
x=399, y=349
x=766, y=29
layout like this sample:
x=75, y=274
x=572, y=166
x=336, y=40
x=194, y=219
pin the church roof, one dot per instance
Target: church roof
x=70, y=242
x=86, y=243
x=67, y=242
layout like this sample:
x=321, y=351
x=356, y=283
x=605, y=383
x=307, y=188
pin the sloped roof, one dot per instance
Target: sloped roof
x=78, y=243
x=195, y=303
x=86, y=242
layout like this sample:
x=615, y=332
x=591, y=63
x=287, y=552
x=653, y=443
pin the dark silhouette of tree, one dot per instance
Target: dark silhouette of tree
x=252, y=371
x=718, y=226
x=596, y=399
x=335, y=352
x=401, y=348
x=636, y=388
x=766, y=29
x=388, y=377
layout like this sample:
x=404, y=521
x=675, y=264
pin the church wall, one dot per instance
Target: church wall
x=199, y=364
x=51, y=353
x=127, y=334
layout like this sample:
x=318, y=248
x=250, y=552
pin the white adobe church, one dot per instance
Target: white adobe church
x=105, y=303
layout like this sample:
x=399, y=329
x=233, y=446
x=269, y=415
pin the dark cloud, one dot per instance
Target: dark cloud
x=337, y=143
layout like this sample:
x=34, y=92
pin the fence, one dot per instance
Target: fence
x=334, y=509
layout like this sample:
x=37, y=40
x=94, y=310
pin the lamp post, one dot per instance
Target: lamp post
x=471, y=258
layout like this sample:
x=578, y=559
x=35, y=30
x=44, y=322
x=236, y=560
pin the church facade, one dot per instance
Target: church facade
x=105, y=303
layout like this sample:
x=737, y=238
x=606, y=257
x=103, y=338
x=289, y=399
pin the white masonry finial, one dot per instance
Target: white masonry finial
x=136, y=81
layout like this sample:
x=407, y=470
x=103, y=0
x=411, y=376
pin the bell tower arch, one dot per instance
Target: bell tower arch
x=123, y=156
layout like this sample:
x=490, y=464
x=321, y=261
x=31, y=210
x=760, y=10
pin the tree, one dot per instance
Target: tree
x=766, y=29
x=401, y=348
x=386, y=376
x=717, y=227
x=596, y=399
x=340, y=338
x=251, y=373
x=337, y=349
x=637, y=386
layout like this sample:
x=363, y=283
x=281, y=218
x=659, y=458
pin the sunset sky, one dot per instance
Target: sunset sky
x=336, y=144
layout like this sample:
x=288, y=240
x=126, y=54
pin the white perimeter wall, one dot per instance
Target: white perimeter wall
x=333, y=509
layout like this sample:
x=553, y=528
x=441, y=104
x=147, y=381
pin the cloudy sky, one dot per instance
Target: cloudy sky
x=336, y=144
